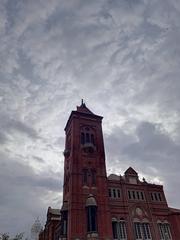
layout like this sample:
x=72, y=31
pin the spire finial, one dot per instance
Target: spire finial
x=83, y=103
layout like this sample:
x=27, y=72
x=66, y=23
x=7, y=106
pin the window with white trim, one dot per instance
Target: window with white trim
x=114, y=192
x=142, y=231
x=156, y=196
x=136, y=195
x=119, y=230
x=164, y=231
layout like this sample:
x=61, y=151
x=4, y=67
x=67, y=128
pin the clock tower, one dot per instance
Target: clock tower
x=85, y=213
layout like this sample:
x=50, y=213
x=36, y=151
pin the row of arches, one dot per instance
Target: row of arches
x=87, y=138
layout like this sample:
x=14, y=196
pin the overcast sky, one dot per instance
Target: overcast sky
x=122, y=57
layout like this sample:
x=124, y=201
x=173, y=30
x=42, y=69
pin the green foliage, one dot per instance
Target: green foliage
x=5, y=236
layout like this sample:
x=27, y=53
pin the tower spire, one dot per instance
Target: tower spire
x=83, y=103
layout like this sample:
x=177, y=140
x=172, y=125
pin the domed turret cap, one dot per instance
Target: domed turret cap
x=91, y=201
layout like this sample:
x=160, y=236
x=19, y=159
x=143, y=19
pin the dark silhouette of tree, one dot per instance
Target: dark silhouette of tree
x=5, y=236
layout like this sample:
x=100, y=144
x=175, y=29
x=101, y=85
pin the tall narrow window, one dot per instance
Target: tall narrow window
x=87, y=138
x=167, y=230
x=114, y=228
x=64, y=222
x=119, y=230
x=159, y=195
x=114, y=192
x=91, y=210
x=164, y=231
x=109, y=191
x=146, y=230
x=155, y=195
x=92, y=139
x=161, y=231
x=122, y=230
x=82, y=138
x=137, y=228
x=118, y=192
x=142, y=195
x=152, y=197
x=137, y=195
x=129, y=194
x=92, y=219
x=133, y=193
x=142, y=231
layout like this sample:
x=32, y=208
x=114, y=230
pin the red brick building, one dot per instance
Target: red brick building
x=51, y=227
x=99, y=207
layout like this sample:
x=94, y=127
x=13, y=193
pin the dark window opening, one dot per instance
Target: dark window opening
x=155, y=195
x=64, y=223
x=114, y=228
x=118, y=192
x=92, y=139
x=114, y=193
x=137, y=230
x=129, y=194
x=87, y=138
x=152, y=197
x=160, y=199
x=142, y=195
x=92, y=219
x=109, y=190
x=142, y=231
x=133, y=193
x=138, y=197
x=82, y=138
x=164, y=230
x=119, y=230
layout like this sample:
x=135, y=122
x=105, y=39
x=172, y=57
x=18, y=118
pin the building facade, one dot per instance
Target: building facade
x=115, y=207
x=51, y=228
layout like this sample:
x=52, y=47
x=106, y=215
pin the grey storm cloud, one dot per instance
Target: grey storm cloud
x=153, y=145
x=21, y=192
x=122, y=57
x=149, y=150
x=10, y=126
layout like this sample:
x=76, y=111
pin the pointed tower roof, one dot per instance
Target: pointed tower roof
x=130, y=171
x=83, y=108
x=82, y=111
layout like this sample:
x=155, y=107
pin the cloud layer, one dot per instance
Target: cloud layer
x=122, y=57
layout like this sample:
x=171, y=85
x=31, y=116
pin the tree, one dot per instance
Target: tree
x=5, y=236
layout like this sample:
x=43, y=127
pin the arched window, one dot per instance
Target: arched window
x=142, y=230
x=91, y=219
x=164, y=230
x=91, y=209
x=119, y=229
x=87, y=136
